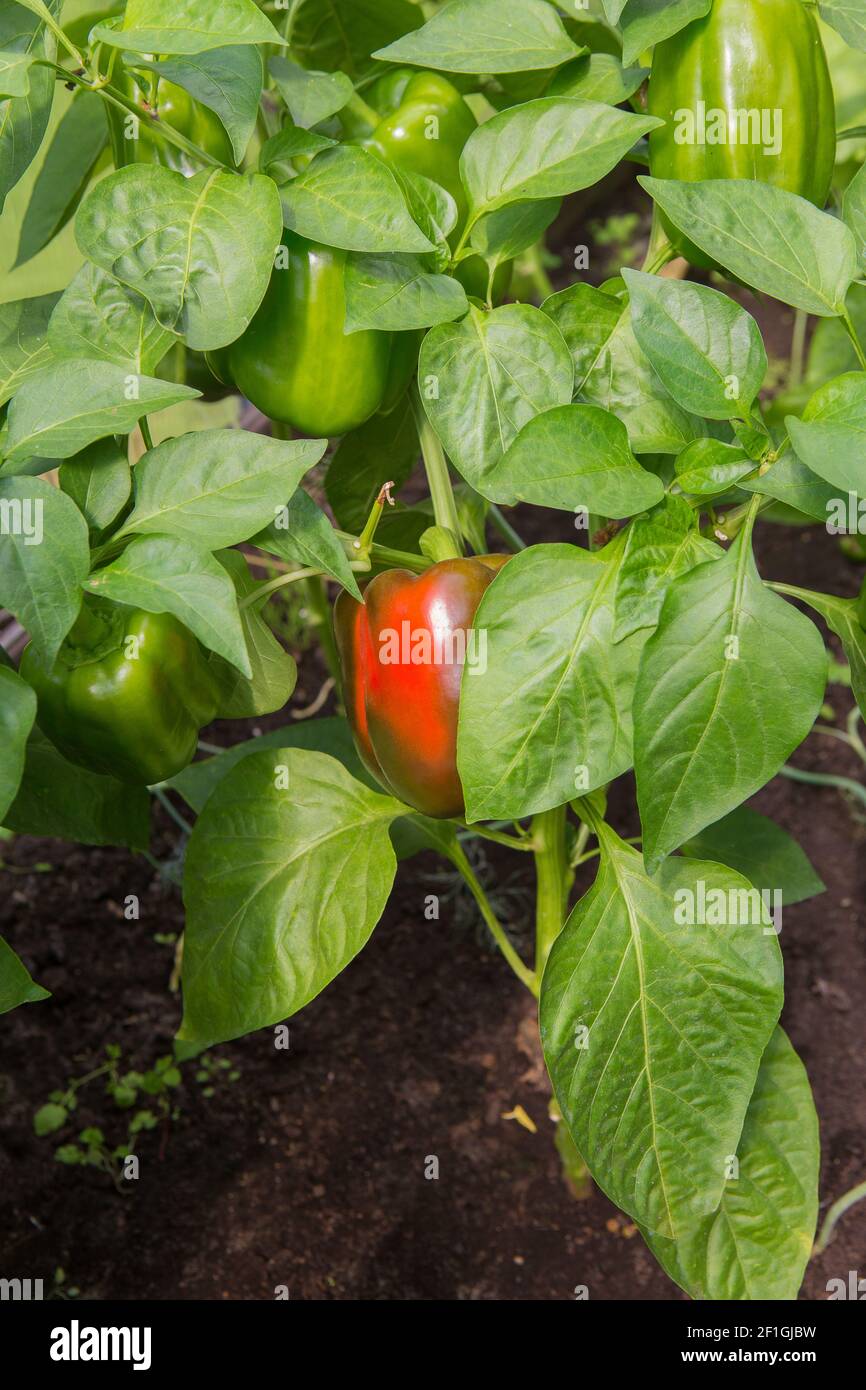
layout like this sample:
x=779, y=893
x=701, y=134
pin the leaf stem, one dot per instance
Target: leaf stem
x=523, y=973
x=506, y=530
x=438, y=478
x=852, y=334
x=265, y=590
x=552, y=881
x=836, y=1212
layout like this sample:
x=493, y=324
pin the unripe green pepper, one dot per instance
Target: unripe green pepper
x=176, y=108
x=295, y=362
x=763, y=59
x=127, y=695
x=425, y=124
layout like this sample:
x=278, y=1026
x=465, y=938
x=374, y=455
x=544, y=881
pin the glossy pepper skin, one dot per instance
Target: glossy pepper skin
x=746, y=55
x=176, y=108
x=127, y=695
x=403, y=713
x=296, y=364
x=425, y=124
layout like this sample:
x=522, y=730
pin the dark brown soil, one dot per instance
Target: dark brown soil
x=309, y=1171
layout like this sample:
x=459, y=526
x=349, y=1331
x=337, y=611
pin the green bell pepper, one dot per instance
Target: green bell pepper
x=755, y=70
x=295, y=362
x=127, y=695
x=425, y=124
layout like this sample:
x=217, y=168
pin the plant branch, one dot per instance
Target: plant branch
x=523, y=973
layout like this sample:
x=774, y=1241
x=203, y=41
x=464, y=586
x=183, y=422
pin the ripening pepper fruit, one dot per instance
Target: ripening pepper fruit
x=295, y=362
x=127, y=695
x=425, y=124
x=402, y=653
x=751, y=69
x=174, y=106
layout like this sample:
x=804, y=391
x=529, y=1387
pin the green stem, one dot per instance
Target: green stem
x=739, y=517
x=854, y=132
x=499, y=837
x=145, y=433
x=523, y=973
x=61, y=37
x=385, y=555
x=360, y=108
x=320, y=608
x=438, y=478
x=852, y=334
x=798, y=348
x=659, y=250
x=265, y=590
x=825, y=779
x=506, y=530
x=833, y=1216
x=552, y=875
x=175, y=815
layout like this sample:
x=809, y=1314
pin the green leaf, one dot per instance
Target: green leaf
x=655, y=1091
x=17, y=713
x=99, y=318
x=648, y=22
x=508, y=232
x=711, y=723
x=347, y=32
x=59, y=800
x=658, y=549
x=305, y=866
x=841, y=616
x=348, y=198
x=707, y=351
x=486, y=36
x=398, y=293
x=302, y=534
x=15, y=74
x=769, y=238
x=761, y=851
x=190, y=26
x=484, y=378
x=274, y=672
x=791, y=482
x=707, y=467
x=310, y=96
x=757, y=1244
x=171, y=574
x=575, y=457
x=44, y=557
x=612, y=371
x=226, y=80
x=24, y=119
x=49, y=1118
x=217, y=487
x=278, y=152
x=75, y=147
x=848, y=19
x=72, y=403
x=543, y=720
x=545, y=149
x=386, y=444
x=329, y=735
x=854, y=201
x=99, y=481
x=16, y=985
x=597, y=77
x=200, y=249
x=830, y=437
x=23, y=341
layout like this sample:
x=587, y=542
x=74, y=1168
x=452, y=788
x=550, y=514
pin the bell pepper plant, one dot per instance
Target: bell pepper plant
x=352, y=214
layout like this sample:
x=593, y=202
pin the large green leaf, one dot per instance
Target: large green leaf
x=547, y=715
x=653, y=1027
x=217, y=487
x=659, y=548
x=274, y=672
x=63, y=801
x=17, y=713
x=712, y=722
x=348, y=198
x=758, y=1243
x=199, y=249
x=75, y=147
x=773, y=240
x=707, y=351
x=44, y=557
x=344, y=33
x=288, y=870
x=188, y=26
x=24, y=119
x=227, y=80
x=23, y=341
x=484, y=378
x=761, y=851
x=830, y=437
x=486, y=36
x=98, y=317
